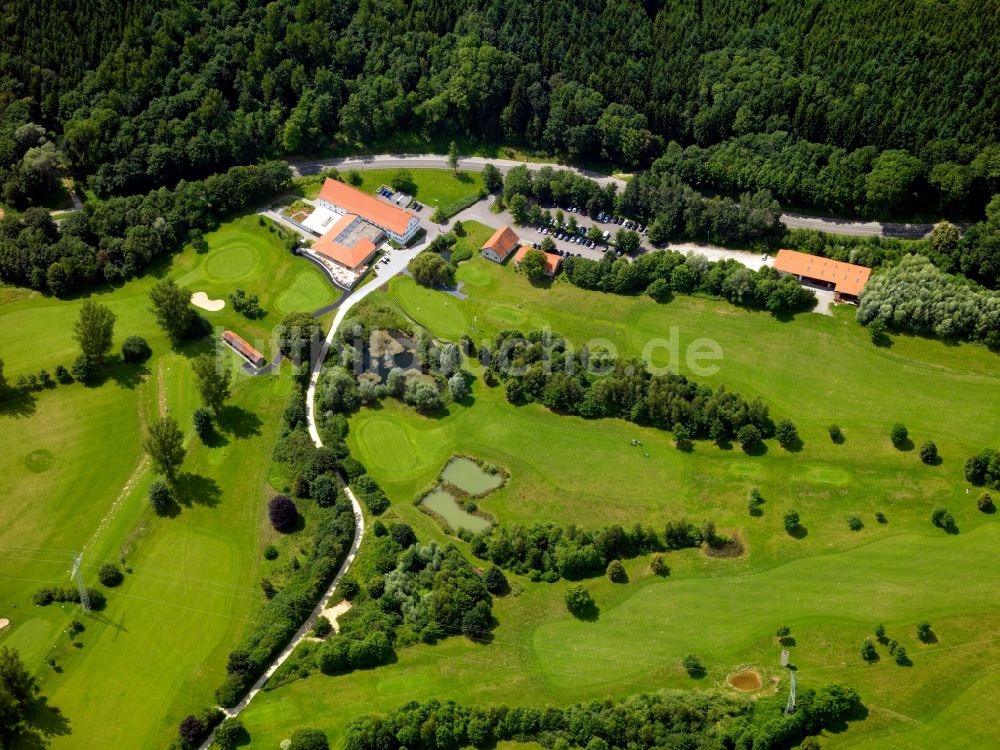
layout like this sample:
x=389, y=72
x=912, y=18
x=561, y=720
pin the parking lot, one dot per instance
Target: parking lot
x=569, y=243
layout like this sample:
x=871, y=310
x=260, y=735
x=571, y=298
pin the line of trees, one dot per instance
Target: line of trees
x=694, y=719
x=547, y=552
x=660, y=273
x=116, y=239
x=540, y=367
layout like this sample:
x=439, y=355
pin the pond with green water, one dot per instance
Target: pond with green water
x=446, y=506
x=470, y=477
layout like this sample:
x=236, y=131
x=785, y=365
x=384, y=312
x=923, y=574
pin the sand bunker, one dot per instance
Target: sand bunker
x=745, y=681
x=4, y=622
x=200, y=299
x=332, y=613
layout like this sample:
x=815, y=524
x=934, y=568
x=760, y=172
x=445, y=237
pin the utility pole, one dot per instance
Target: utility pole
x=75, y=575
x=790, y=706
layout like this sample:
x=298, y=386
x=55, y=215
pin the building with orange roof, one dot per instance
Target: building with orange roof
x=846, y=279
x=241, y=347
x=343, y=199
x=351, y=242
x=500, y=245
x=552, y=261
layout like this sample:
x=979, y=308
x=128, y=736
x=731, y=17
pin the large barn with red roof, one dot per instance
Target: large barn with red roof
x=343, y=199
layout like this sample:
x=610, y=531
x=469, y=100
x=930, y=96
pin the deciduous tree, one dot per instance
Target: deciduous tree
x=94, y=330
x=165, y=446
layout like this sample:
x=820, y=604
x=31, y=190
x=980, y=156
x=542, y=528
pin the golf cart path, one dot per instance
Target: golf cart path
x=383, y=272
x=791, y=219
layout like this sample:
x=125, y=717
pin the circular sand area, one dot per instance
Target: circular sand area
x=4, y=622
x=200, y=299
x=745, y=681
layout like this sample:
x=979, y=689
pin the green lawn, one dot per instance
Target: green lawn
x=434, y=187
x=831, y=585
x=73, y=477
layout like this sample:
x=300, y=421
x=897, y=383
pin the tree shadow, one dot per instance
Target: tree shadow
x=904, y=446
x=794, y=446
x=697, y=672
x=857, y=713
x=590, y=613
x=936, y=461
x=126, y=374
x=760, y=449
x=883, y=342
x=788, y=640
x=44, y=723
x=197, y=345
x=799, y=532
x=191, y=489
x=215, y=439
x=18, y=403
x=239, y=422
x=930, y=637
x=463, y=177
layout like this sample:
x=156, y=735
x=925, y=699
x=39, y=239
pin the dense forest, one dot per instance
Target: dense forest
x=861, y=105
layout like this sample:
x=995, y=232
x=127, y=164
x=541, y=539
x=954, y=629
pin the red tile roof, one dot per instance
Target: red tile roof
x=847, y=278
x=351, y=257
x=239, y=344
x=552, y=261
x=371, y=209
x=502, y=242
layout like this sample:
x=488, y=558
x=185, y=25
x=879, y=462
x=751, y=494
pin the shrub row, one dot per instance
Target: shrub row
x=668, y=719
x=540, y=367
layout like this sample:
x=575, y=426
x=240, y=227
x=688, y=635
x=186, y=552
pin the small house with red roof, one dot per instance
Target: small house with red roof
x=500, y=245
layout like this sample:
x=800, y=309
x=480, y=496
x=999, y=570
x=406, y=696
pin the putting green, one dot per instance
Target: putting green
x=474, y=275
x=435, y=310
x=29, y=638
x=307, y=291
x=231, y=263
x=388, y=445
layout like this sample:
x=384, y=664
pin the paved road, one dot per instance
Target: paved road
x=475, y=163
x=384, y=272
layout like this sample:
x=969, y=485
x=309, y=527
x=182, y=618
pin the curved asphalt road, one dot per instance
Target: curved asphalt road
x=476, y=163
x=398, y=259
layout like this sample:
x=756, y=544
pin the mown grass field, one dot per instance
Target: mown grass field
x=830, y=585
x=74, y=477
x=434, y=187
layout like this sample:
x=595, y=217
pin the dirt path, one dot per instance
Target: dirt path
x=140, y=468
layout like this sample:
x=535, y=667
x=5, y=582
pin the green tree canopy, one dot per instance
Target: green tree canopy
x=94, y=330
x=165, y=446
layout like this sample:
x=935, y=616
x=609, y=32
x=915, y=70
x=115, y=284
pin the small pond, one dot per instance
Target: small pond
x=445, y=505
x=469, y=476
